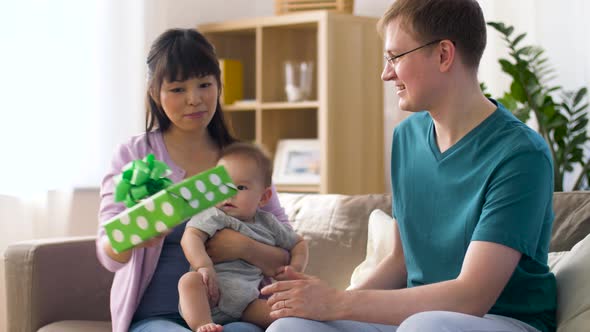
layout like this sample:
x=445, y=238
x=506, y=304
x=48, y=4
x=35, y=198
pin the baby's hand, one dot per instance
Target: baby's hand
x=283, y=274
x=210, y=280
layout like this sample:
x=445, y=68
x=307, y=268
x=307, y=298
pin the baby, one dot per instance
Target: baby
x=227, y=292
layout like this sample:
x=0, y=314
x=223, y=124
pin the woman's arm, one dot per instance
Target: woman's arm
x=111, y=260
x=227, y=245
x=274, y=206
x=486, y=270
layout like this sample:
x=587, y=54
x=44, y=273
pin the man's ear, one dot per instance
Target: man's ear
x=266, y=195
x=448, y=53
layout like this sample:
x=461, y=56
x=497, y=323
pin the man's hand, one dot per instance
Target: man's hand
x=300, y=295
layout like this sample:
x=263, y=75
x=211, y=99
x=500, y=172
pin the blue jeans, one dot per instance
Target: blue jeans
x=429, y=321
x=176, y=324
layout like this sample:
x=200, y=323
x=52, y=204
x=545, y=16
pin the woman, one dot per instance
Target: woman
x=186, y=130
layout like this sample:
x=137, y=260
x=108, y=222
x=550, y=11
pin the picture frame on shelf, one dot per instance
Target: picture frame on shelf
x=297, y=162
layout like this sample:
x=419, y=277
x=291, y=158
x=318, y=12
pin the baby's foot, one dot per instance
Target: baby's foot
x=211, y=327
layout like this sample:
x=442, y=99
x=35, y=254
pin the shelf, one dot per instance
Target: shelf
x=240, y=107
x=251, y=106
x=290, y=105
x=298, y=188
x=345, y=107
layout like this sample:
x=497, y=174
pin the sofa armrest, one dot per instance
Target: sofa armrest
x=55, y=279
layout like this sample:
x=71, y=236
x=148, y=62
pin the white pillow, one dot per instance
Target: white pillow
x=379, y=245
x=572, y=271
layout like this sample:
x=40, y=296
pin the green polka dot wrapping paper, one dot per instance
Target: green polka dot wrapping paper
x=168, y=208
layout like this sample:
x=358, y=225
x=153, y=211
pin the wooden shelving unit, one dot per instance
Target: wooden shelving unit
x=345, y=110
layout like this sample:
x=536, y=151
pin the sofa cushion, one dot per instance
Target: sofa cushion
x=335, y=227
x=571, y=270
x=572, y=219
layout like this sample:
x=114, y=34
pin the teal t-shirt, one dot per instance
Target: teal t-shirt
x=494, y=185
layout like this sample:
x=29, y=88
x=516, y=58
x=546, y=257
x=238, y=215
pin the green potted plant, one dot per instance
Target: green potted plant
x=560, y=115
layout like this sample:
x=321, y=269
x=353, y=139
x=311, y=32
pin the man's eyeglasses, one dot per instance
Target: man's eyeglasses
x=393, y=59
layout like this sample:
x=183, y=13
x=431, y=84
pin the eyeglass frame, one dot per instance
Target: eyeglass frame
x=391, y=59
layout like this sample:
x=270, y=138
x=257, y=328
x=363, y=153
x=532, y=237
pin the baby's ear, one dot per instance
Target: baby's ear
x=266, y=195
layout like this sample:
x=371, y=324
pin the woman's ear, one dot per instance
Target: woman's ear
x=266, y=195
x=155, y=98
x=447, y=55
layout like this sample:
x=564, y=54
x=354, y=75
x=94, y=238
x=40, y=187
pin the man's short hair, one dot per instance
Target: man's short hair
x=460, y=21
x=255, y=153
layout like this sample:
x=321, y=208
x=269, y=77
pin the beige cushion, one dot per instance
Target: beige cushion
x=379, y=245
x=572, y=269
x=572, y=219
x=335, y=227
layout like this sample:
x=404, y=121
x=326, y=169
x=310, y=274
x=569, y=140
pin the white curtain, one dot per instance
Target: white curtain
x=71, y=88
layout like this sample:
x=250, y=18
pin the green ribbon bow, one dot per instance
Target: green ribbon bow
x=140, y=179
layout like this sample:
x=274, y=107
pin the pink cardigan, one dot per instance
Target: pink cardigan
x=129, y=283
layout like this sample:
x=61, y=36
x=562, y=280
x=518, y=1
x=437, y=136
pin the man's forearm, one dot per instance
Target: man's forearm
x=389, y=274
x=393, y=306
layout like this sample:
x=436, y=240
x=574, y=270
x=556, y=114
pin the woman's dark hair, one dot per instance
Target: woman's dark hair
x=178, y=55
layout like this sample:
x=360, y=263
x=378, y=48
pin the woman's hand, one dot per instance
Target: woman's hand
x=125, y=256
x=154, y=241
x=300, y=295
x=227, y=245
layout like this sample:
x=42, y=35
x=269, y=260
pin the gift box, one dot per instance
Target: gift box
x=166, y=208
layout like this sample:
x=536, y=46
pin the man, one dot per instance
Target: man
x=472, y=195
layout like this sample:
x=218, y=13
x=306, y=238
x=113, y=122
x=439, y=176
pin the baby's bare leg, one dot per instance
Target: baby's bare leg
x=194, y=303
x=258, y=312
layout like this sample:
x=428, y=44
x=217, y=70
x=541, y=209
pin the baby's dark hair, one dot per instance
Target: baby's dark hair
x=178, y=55
x=255, y=153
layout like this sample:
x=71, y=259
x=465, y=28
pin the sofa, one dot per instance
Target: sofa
x=58, y=284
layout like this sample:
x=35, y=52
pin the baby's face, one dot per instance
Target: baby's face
x=246, y=176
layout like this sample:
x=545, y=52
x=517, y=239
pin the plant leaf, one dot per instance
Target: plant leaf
x=517, y=39
x=579, y=95
x=518, y=91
